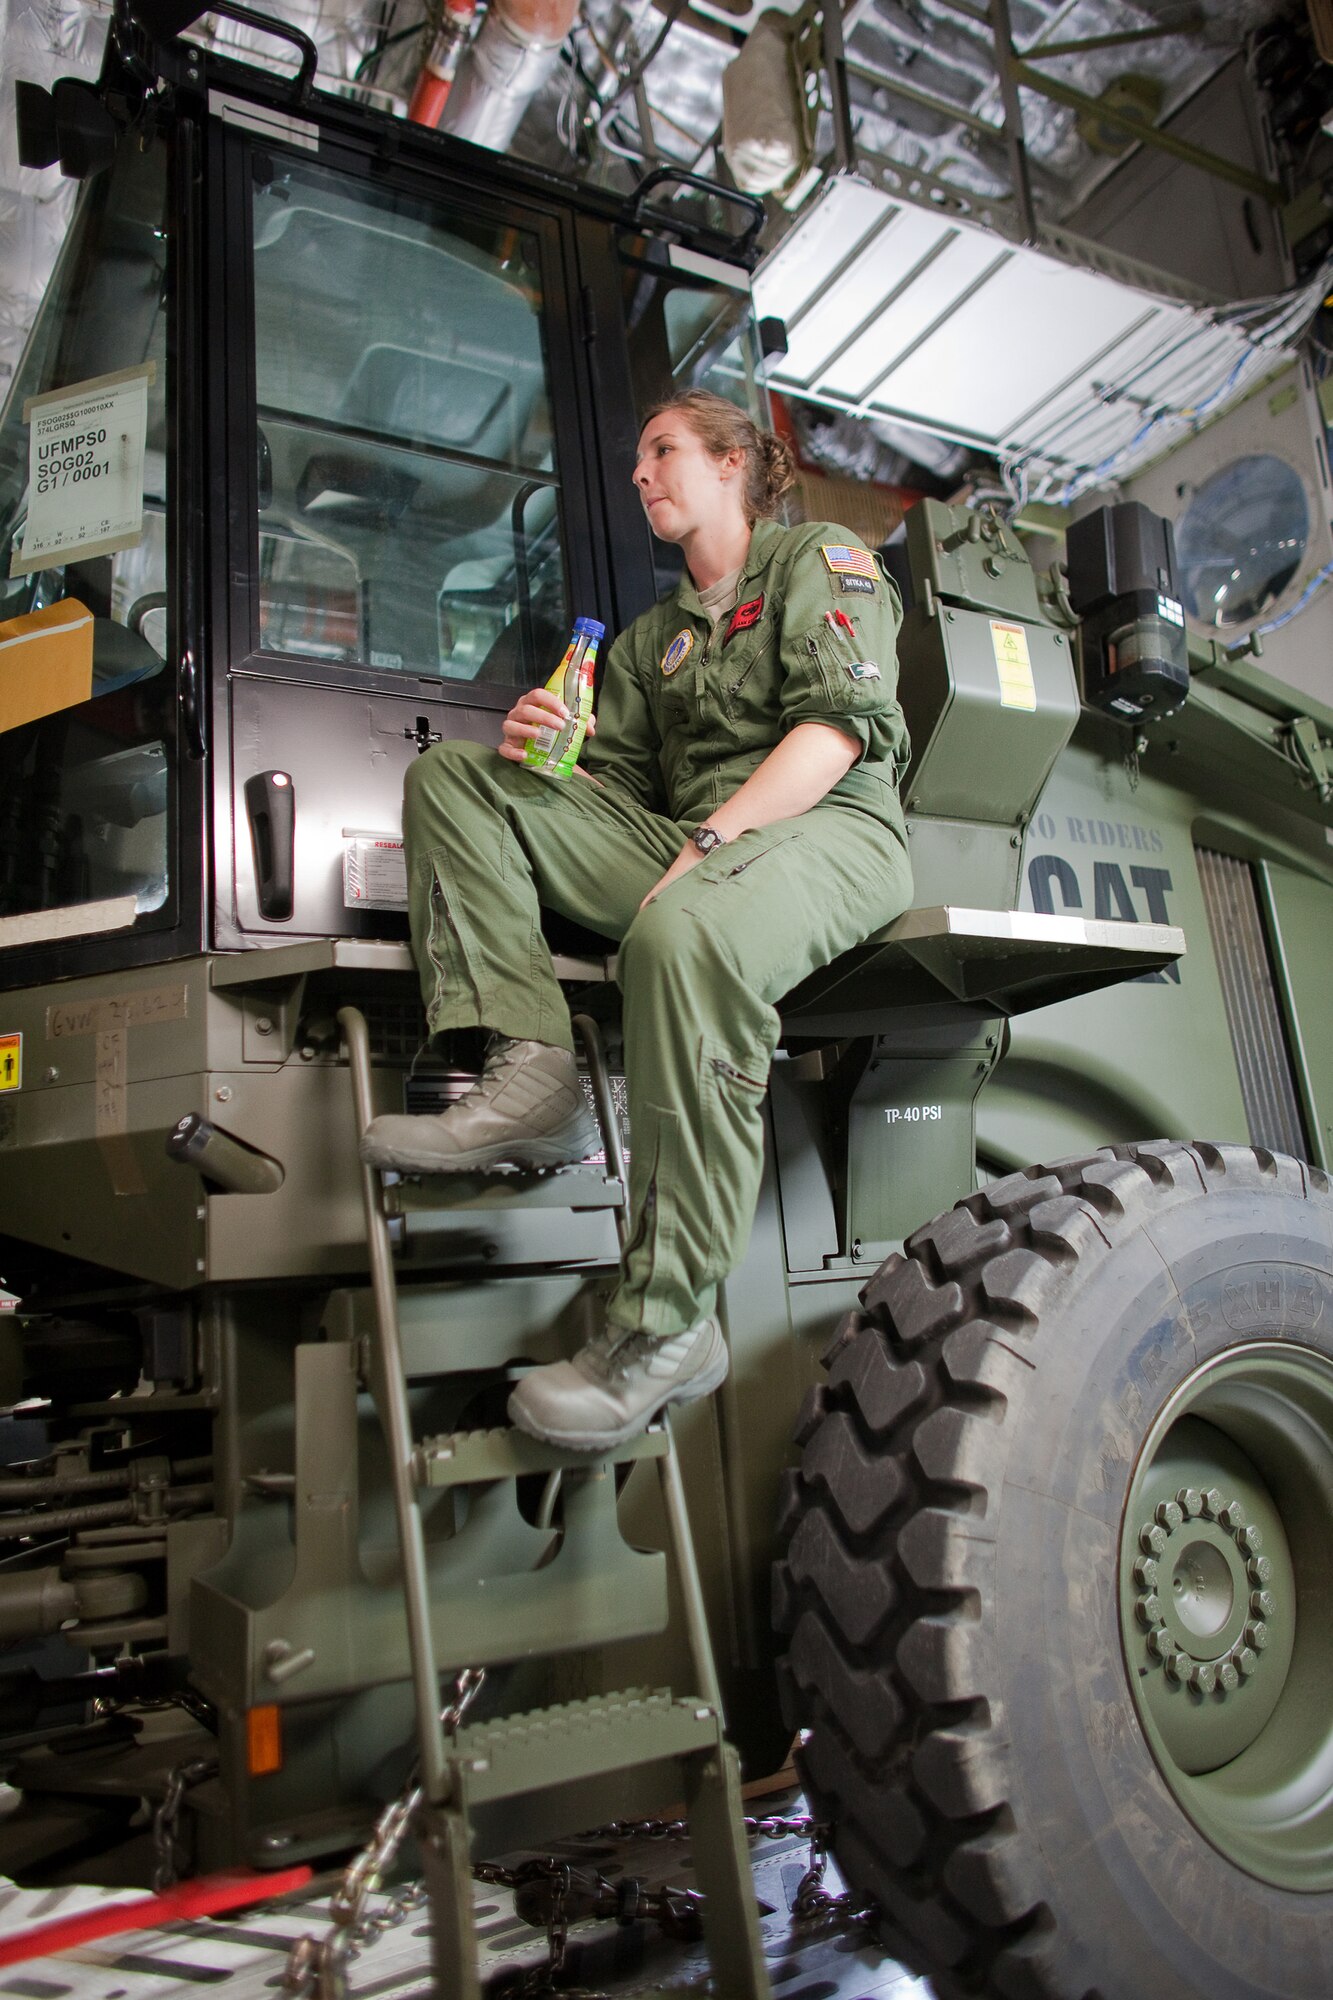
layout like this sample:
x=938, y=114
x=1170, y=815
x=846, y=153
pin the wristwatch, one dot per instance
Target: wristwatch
x=706, y=838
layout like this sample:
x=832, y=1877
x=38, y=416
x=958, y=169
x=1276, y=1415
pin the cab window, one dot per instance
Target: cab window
x=408, y=492
x=87, y=787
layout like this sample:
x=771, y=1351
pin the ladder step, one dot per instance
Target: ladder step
x=581, y=1739
x=418, y=1198
x=462, y=1458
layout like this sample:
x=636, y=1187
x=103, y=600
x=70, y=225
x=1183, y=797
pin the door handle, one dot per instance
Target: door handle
x=270, y=804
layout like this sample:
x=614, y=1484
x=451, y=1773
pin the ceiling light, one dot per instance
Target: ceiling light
x=913, y=314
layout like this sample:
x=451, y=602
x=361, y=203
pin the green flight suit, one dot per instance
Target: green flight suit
x=686, y=712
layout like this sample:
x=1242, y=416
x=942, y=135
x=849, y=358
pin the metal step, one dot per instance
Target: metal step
x=461, y=1458
x=420, y=1197
x=513, y=1757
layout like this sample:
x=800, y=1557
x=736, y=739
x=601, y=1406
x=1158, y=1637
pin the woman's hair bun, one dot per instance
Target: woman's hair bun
x=780, y=464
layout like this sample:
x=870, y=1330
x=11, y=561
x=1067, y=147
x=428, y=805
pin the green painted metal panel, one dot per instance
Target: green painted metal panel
x=1300, y=911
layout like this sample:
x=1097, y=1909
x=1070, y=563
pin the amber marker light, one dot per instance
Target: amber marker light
x=263, y=1740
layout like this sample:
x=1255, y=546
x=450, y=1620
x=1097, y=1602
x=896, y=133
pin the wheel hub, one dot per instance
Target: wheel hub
x=1204, y=1596
x=1225, y=1616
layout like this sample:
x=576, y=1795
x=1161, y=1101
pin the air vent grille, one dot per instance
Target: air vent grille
x=1263, y=1060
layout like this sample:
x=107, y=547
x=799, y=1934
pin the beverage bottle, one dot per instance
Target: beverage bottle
x=555, y=749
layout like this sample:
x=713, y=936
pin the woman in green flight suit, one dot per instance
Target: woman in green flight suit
x=736, y=825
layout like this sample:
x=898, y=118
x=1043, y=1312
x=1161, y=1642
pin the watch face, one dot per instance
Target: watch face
x=706, y=839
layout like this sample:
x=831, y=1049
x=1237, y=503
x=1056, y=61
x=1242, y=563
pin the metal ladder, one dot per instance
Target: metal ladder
x=655, y=1746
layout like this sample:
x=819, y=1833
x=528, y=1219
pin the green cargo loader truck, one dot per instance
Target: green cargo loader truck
x=1043, y=1582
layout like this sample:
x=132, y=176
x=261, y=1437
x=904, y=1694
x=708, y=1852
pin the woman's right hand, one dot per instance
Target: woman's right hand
x=537, y=709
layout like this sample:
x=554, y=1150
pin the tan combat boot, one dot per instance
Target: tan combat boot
x=615, y=1386
x=527, y=1109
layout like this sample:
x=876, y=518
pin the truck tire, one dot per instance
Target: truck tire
x=1057, y=1576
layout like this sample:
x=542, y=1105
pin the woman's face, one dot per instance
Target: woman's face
x=683, y=487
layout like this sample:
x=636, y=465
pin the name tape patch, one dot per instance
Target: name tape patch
x=743, y=617
x=677, y=653
x=858, y=583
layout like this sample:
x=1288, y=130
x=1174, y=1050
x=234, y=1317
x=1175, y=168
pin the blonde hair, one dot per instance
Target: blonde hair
x=770, y=469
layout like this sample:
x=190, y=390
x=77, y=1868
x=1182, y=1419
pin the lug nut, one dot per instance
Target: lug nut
x=1169, y=1515
x=1145, y=1572
x=1259, y=1570
x=1162, y=1644
x=1177, y=1665
x=1263, y=1603
x=1227, y=1676
x=1190, y=1502
x=1251, y=1538
x=1256, y=1635
x=1152, y=1540
x=1150, y=1609
x=1212, y=1503
x=1203, y=1677
x=1246, y=1661
x=1232, y=1516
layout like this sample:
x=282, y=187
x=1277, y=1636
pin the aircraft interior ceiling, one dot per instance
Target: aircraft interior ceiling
x=1069, y=312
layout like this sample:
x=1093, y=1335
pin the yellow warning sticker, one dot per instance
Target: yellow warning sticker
x=11, y=1062
x=1013, y=663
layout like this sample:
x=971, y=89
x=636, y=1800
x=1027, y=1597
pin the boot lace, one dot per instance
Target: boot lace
x=611, y=1353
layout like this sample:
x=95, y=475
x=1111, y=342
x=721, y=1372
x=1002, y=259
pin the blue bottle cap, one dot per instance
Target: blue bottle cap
x=592, y=627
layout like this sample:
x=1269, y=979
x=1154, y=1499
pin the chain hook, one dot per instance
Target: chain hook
x=166, y=1850
x=319, y=1966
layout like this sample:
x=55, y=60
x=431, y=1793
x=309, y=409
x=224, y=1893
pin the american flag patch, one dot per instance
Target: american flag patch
x=843, y=561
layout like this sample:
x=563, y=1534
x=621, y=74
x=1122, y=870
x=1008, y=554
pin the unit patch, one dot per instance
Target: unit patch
x=11, y=1062
x=677, y=653
x=863, y=670
x=842, y=560
x=744, y=617
x=858, y=583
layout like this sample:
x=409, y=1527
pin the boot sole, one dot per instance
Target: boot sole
x=702, y=1384
x=529, y=1152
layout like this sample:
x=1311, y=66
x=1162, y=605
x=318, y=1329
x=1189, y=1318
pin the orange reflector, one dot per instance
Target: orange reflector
x=263, y=1740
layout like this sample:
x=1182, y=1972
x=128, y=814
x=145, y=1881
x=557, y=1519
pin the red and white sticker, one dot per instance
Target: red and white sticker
x=11, y=1062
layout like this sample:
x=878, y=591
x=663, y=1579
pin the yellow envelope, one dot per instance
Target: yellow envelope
x=46, y=661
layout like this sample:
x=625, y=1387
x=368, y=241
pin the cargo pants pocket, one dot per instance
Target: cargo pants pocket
x=648, y=1264
x=732, y=1091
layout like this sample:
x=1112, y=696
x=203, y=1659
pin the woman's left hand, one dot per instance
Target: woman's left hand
x=684, y=861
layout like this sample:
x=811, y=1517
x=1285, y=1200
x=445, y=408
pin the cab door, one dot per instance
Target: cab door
x=409, y=530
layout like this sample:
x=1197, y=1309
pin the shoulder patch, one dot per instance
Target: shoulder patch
x=862, y=584
x=842, y=560
x=677, y=653
x=744, y=616
x=863, y=670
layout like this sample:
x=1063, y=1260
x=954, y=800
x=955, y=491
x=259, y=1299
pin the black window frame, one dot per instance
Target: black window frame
x=578, y=499
x=175, y=929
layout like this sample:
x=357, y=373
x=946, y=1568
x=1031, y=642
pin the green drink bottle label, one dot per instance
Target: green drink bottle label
x=555, y=750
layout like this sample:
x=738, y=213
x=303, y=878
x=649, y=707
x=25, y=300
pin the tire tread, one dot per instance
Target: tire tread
x=904, y=1454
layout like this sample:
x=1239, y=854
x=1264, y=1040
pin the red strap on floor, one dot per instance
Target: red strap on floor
x=203, y=1898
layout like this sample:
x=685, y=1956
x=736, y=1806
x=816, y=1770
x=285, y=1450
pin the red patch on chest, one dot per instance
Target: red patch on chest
x=743, y=617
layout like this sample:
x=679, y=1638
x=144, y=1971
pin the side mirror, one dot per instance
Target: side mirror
x=68, y=123
x=35, y=115
x=165, y=19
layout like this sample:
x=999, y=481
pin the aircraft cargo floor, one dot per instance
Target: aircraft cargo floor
x=247, y=1954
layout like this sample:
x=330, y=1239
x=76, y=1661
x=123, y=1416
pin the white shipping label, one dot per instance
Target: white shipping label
x=85, y=470
x=374, y=873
